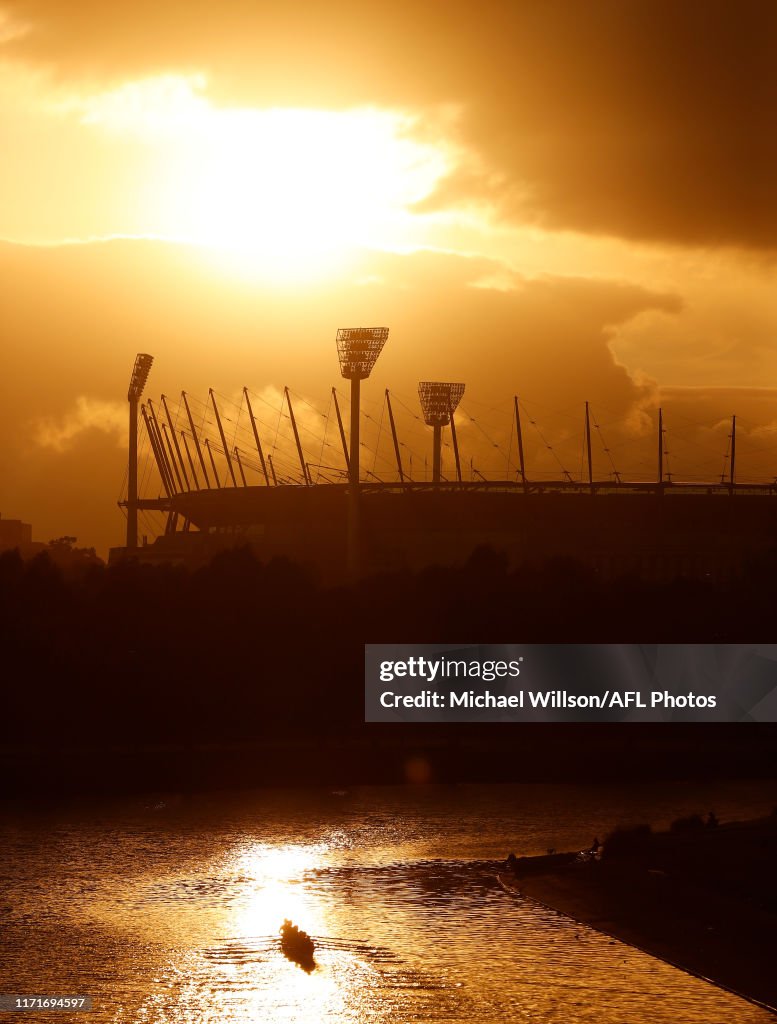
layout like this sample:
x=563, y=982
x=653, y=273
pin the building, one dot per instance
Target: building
x=14, y=534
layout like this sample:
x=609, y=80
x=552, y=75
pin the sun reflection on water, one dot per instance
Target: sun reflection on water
x=274, y=888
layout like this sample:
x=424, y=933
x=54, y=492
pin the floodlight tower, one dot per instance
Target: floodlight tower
x=140, y=372
x=438, y=402
x=358, y=349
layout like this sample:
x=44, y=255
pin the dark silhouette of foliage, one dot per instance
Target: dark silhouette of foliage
x=692, y=823
x=143, y=662
x=627, y=843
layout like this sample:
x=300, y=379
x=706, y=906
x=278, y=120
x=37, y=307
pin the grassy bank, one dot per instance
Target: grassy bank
x=703, y=898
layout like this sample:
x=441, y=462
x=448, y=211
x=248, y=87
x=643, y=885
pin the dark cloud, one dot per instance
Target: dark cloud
x=650, y=119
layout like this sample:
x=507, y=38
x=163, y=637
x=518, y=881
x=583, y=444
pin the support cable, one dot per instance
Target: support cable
x=606, y=450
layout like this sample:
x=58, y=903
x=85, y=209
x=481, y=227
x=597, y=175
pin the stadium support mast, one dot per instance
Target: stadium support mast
x=196, y=440
x=660, y=451
x=733, y=464
x=177, y=447
x=438, y=402
x=258, y=443
x=519, y=432
x=167, y=466
x=358, y=349
x=588, y=448
x=224, y=445
x=306, y=478
x=394, y=437
x=160, y=464
x=191, y=461
x=140, y=372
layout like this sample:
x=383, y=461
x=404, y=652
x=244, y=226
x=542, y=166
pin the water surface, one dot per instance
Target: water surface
x=166, y=910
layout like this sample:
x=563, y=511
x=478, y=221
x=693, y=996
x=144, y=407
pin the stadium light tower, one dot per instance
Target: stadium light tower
x=140, y=372
x=438, y=402
x=358, y=349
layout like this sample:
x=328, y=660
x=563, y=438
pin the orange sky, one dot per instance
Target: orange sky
x=568, y=201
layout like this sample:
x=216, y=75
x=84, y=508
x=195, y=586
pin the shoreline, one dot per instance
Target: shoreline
x=621, y=936
x=679, y=918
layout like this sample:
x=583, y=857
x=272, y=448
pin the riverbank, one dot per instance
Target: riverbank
x=704, y=899
x=378, y=753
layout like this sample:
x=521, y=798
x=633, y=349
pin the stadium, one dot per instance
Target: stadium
x=294, y=483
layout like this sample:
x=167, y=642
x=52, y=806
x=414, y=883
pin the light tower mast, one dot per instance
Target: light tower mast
x=358, y=349
x=140, y=372
x=438, y=402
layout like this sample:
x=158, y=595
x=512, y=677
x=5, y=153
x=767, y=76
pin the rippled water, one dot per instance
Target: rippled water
x=167, y=910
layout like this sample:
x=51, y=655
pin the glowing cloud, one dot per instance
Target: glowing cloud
x=88, y=414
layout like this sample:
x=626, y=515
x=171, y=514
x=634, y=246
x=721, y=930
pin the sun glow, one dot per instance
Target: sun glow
x=285, y=193
x=276, y=893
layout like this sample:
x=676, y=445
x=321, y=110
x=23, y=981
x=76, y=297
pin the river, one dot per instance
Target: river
x=166, y=909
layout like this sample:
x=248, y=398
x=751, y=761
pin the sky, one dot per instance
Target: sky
x=568, y=202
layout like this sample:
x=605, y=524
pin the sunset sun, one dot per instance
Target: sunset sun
x=281, y=192
x=289, y=191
